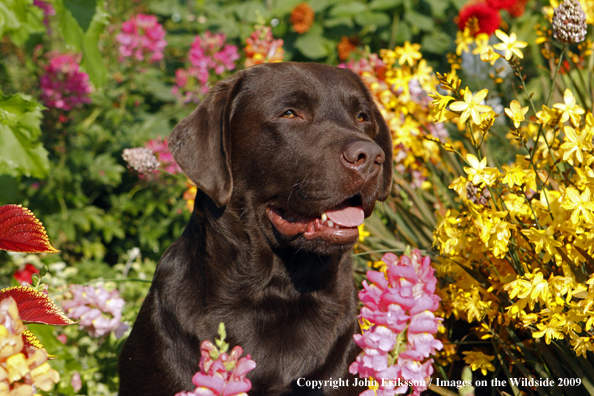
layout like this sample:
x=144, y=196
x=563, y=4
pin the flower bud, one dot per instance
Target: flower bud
x=569, y=22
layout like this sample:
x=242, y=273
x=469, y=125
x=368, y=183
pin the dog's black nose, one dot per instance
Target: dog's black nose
x=364, y=157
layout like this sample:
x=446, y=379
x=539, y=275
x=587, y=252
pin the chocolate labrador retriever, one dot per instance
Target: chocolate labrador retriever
x=289, y=159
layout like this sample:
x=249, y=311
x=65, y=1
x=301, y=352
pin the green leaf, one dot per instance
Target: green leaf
x=13, y=107
x=92, y=60
x=437, y=42
x=348, y=9
x=372, y=19
x=82, y=11
x=333, y=22
x=251, y=11
x=71, y=30
x=165, y=7
x=20, y=153
x=438, y=7
x=420, y=21
x=382, y=5
x=312, y=43
x=8, y=19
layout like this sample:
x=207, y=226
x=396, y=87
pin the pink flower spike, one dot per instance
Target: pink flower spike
x=405, y=302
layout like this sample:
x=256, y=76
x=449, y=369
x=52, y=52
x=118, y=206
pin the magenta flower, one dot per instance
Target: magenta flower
x=207, y=53
x=221, y=374
x=48, y=10
x=63, y=85
x=99, y=311
x=398, y=324
x=161, y=150
x=142, y=37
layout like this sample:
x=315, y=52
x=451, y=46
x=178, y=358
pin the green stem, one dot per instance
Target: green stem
x=555, y=75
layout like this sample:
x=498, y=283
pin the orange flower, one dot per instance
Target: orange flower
x=302, y=17
x=345, y=47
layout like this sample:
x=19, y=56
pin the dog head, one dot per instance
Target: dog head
x=301, y=147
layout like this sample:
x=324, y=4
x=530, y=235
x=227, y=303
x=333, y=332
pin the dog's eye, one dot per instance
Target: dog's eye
x=289, y=114
x=361, y=117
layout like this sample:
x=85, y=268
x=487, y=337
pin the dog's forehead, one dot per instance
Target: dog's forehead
x=315, y=80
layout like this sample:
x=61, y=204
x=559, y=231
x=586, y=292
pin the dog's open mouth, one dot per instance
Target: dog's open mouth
x=336, y=225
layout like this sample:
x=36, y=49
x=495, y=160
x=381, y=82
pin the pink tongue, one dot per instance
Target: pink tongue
x=347, y=216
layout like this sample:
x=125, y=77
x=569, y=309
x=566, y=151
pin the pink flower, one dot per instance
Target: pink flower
x=76, y=382
x=161, y=150
x=399, y=308
x=221, y=374
x=142, y=37
x=207, y=53
x=63, y=85
x=48, y=10
x=98, y=311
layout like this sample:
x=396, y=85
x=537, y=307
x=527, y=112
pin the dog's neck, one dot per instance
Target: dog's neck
x=305, y=272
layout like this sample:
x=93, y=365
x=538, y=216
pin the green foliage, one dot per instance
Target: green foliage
x=22, y=153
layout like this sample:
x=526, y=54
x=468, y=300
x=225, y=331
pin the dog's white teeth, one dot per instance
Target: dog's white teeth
x=330, y=223
x=324, y=217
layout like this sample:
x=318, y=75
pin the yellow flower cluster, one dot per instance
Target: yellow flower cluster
x=401, y=94
x=21, y=373
x=519, y=248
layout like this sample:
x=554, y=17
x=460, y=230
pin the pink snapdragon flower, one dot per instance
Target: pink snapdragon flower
x=48, y=10
x=161, y=150
x=142, y=37
x=63, y=85
x=221, y=374
x=207, y=53
x=398, y=325
x=98, y=310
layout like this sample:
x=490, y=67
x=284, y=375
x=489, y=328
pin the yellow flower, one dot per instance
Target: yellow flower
x=578, y=204
x=482, y=43
x=480, y=172
x=463, y=40
x=509, y=44
x=581, y=345
x=362, y=233
x=489, y=56
x=576, y=145
x=471, y=107
x=548, y=117
x=543, y=239
x=570, y=110
x=516, y=112
x=409, y=53
x=478, y=360
x=439, y=107
x=553, y=330
x=16, y=367
x=44, y=377
x=515, y=176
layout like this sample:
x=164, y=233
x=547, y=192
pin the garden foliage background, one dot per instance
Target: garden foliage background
x=493, y=171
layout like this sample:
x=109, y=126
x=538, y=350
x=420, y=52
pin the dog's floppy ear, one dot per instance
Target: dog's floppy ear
x=200, y=143
x=383, y=138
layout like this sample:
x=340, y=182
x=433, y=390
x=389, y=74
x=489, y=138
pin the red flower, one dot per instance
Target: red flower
x=517, y=9
x=502, y=4
x=25, y=274
x=488, y=17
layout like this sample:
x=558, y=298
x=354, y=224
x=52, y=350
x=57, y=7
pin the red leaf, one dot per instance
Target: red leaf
x=30, y=340
x=35, y=307
x=20, y=231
